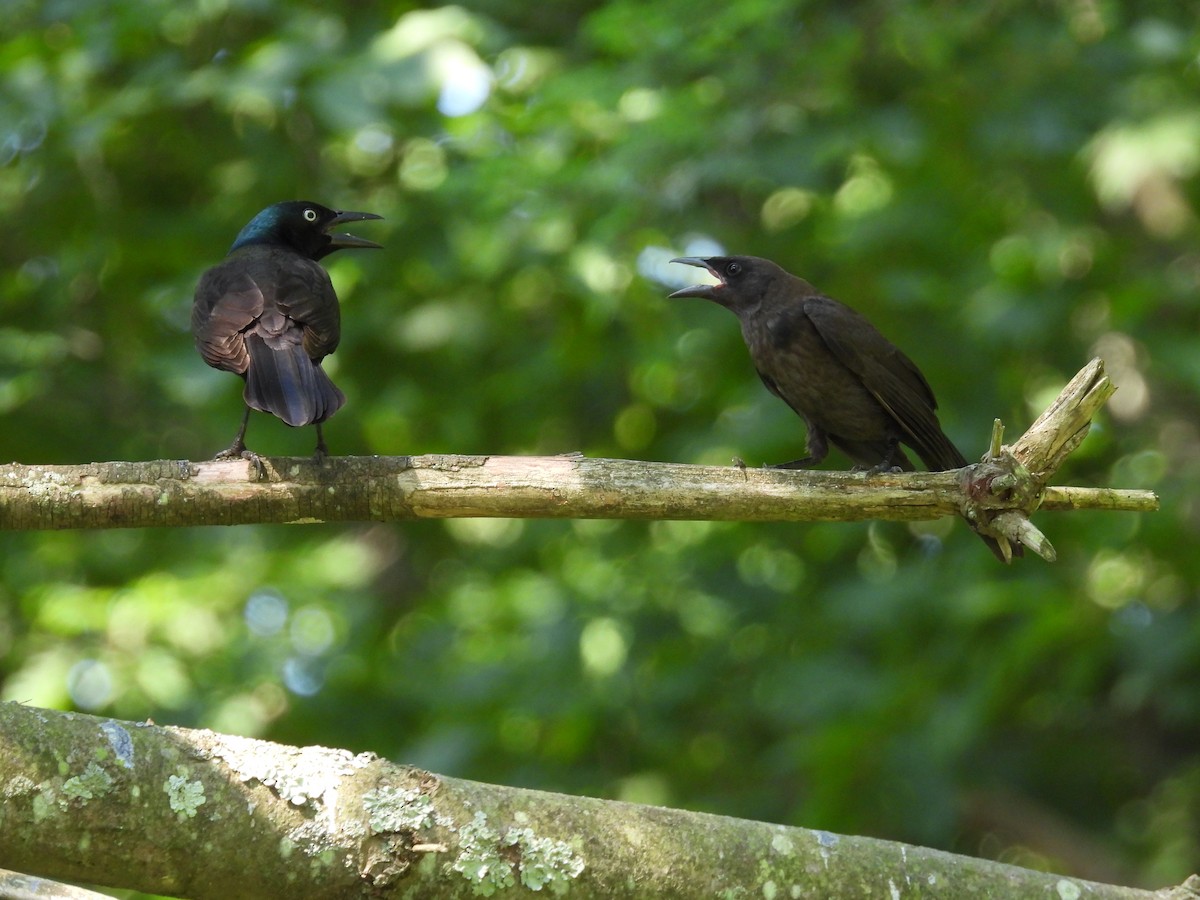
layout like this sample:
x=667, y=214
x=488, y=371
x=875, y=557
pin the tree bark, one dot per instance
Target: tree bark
x=997, y=495
x=202, y=815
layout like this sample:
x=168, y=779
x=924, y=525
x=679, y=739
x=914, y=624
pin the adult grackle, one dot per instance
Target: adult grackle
x=268, y=312
x=851, y=385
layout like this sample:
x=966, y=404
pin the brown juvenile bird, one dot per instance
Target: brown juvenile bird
x=268, y=313
x=852, y=386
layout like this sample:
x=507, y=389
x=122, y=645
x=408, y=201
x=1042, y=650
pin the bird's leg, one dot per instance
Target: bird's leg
x=322, y=451
x=887, y=464
x=818, y=448
x=237, y=450
x=238, y=447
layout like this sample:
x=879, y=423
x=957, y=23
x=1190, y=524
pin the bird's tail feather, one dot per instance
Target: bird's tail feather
x=285, y=382
x=938, y=453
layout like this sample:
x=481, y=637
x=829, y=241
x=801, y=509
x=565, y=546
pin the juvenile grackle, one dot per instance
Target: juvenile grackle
x=268, y=312
x=851, y=385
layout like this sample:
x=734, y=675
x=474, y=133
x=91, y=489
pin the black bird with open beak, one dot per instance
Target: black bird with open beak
x=852, y=386
x=269, y=313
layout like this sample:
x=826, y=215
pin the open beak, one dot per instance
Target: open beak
x=348, y=240
x=703, y=291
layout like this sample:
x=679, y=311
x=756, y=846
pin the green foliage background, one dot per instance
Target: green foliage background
x=1006, y=189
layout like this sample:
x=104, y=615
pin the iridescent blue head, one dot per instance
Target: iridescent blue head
x=303, y=226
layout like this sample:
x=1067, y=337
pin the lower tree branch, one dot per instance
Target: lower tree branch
x=202, y=815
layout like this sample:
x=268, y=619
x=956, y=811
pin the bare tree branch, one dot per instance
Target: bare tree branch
x=1003, y=491
x=226, y=492
x=202, y=815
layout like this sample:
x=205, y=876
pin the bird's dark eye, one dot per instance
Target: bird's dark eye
x=733, y=268
x=310, y=215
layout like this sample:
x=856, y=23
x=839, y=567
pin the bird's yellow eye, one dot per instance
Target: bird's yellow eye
x=310, y=215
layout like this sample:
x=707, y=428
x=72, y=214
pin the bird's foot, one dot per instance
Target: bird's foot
x=238, y=451
x=882, y=468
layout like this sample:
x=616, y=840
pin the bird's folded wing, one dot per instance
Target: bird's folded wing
x=305, y=295
x=891, y=377
x=226, y=304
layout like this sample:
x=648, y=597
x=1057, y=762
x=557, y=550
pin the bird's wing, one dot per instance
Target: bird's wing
x=891, y=377
x=305, y=295
x=227, y=302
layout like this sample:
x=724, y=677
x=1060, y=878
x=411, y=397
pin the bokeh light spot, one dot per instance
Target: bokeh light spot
x=90, y=684
x=602, y=647
x=266, y=613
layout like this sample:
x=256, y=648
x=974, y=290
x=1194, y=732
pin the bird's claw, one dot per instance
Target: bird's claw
x=235, y=451
x=239, y=451
x=883, y=468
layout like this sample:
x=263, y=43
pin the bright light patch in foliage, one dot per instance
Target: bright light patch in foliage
x=867, y=189
x=90, y=683
x=602, y=647
x=466, y=82
x=786, y=207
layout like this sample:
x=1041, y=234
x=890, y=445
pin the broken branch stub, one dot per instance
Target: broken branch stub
x=1065, y=423
x=1003, y=491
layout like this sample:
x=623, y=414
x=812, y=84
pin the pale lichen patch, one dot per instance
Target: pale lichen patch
x=479, y=858
x=314, y=837
x=92, y=782
x=491, y=861
x=782, y=845
x=44, y=803
x=321, y=862
x=828, y=843
x=398, y=809
x=18, y=787
x=544, y=862
x=184, y=796
x=304, y=774
x=286, y=847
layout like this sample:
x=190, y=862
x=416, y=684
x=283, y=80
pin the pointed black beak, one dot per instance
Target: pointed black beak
x=341, y=241
x=703, y=291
